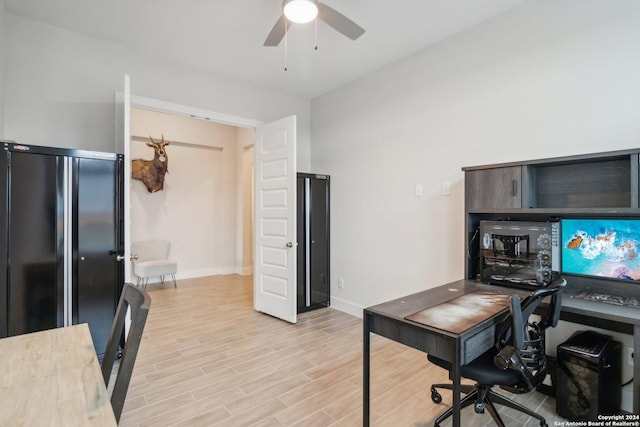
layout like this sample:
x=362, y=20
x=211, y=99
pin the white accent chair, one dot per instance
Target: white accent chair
x=151, y=259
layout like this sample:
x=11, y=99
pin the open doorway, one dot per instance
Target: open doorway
x=275, y=182
x=206, y=206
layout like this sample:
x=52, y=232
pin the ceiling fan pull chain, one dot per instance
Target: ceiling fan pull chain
x=316, y=29
x=286, y=37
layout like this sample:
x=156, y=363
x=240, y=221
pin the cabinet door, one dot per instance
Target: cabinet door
x=4, y=221
x=313, y=242
x=96, y=285
x=35, y=243
x=319, y=244
x=301, y=246
x=499, y=188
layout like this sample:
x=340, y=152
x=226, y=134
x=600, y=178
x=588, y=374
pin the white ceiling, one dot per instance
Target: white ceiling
x=227, y=36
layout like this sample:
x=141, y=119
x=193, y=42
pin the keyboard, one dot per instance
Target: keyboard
x=606, y=298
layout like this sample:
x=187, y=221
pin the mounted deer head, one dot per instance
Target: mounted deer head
x=151, y=172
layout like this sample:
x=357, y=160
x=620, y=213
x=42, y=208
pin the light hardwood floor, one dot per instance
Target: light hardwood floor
x=208, y=359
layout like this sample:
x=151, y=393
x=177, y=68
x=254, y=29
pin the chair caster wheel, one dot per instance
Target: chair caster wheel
x=435, y=396
x=544, y=424
x=478, y=407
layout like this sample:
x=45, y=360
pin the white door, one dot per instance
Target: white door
x=123, y=145
x=275, y=219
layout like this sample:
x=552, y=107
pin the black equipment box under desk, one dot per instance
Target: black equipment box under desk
x=588, y=376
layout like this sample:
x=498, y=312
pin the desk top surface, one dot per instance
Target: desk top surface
x=399, y=308
x=463, y=312
x=53, y=378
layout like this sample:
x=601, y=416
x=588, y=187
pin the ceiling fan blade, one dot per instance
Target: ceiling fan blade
x=277, y=32
x=339, y=22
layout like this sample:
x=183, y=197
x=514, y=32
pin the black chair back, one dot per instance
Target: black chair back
x=138, y=301
x=520, y=342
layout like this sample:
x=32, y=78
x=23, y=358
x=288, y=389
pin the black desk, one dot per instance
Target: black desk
x=388, y=320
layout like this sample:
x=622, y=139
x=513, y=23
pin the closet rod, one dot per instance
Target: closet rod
x=178, y=143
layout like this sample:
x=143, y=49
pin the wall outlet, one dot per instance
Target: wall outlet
x=341, y=283
x=630, y=356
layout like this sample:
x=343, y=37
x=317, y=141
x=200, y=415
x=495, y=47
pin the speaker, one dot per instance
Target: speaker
x=588, y=377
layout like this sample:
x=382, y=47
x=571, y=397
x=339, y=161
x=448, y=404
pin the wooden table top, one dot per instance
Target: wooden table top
x=53, y=378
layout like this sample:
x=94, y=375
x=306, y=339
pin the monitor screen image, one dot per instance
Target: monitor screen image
x=604, y=247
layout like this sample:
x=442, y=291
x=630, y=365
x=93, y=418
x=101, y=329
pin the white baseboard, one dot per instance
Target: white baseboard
x=245, y=271
x=203, y=272
x=192, y=274
x=217, y=271
x=347, y=307
x=242, y=271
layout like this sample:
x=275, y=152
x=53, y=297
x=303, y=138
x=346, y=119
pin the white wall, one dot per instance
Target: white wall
x=548, y=78
x=197, y=210
x=60, y=89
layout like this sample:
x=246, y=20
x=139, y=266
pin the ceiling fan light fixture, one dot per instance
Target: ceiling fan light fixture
x=300, y=11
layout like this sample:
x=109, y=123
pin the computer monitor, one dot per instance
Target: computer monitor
x=602, y=247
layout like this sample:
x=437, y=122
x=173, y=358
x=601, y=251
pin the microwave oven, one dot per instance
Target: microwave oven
x=519, y=254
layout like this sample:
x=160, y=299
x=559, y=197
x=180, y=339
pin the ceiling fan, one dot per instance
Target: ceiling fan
x=310, y=10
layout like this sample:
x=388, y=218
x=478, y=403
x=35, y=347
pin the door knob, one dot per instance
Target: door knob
x=119, y=257
x=133, y=257
x=289, y=244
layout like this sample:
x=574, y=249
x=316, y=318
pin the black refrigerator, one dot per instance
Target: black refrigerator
x=312, y=218
x=61, y=238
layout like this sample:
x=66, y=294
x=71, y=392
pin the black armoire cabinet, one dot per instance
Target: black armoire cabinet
x=313, y=241
x=61, y=239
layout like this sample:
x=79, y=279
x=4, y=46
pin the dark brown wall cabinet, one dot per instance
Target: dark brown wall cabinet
x=494, y=188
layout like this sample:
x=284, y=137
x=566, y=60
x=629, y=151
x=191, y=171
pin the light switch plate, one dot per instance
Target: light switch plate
x=446, y=188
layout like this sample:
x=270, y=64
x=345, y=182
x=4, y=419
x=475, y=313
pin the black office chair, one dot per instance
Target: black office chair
x=517, y=363
x=139, y=302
